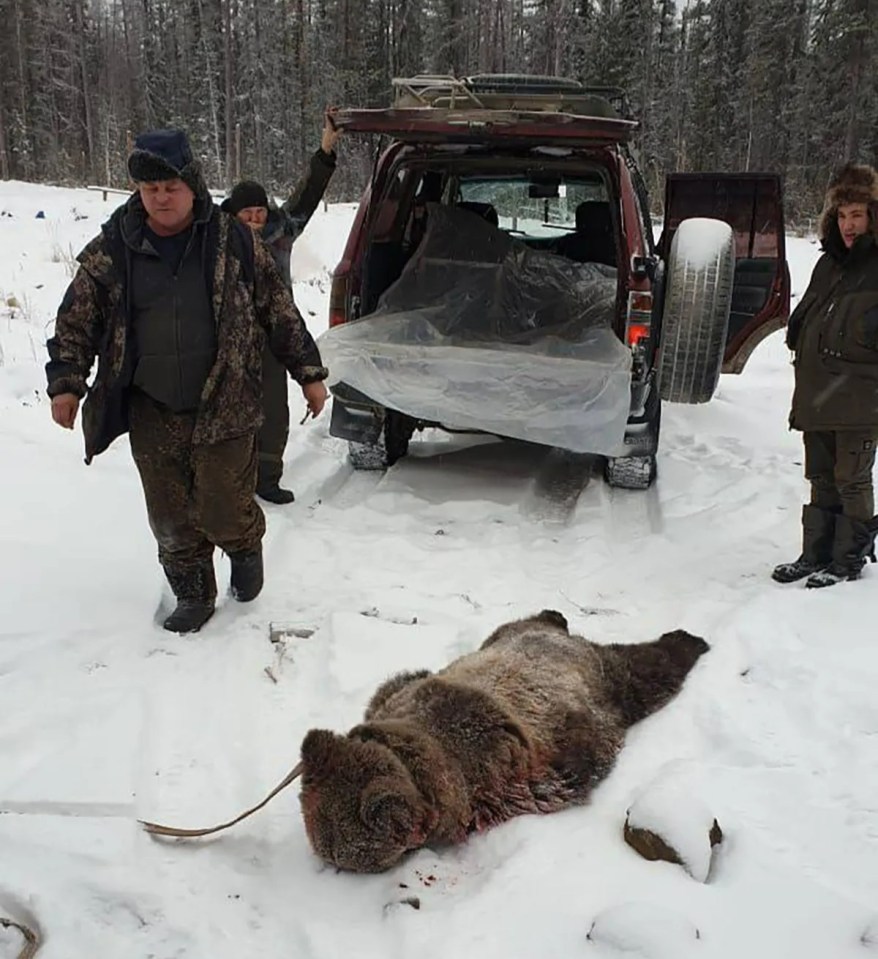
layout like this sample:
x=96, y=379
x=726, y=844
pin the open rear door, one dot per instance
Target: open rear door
x=752, y=204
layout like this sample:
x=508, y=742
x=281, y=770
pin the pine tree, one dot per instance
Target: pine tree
x=783, y=85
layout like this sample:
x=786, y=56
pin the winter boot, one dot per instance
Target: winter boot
x=818, y=531
x=854, y=544
x=195, y=589
x=247, y=575
x=274, y=493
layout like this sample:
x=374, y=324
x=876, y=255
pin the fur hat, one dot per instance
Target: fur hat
x=244, y=194
x=165, y=155
x=853, y=183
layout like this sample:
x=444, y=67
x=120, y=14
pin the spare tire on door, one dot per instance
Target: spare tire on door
x=695, y=320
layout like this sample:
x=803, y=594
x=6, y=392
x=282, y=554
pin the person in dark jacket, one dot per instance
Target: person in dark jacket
x=833, y=333
x=176, y=302
x=279, y=227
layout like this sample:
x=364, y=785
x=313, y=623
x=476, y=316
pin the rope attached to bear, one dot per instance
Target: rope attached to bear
x=154, y=829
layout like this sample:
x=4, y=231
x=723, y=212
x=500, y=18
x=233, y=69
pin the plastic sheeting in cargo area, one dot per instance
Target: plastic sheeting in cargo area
x=481, y=332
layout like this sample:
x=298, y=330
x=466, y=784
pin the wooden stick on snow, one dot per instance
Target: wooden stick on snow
x=31, y=939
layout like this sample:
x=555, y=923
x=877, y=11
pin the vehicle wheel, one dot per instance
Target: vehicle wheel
x=655, y=428
x=642, y=436
x=630, y=472
x=392, y=444
x=695, y=319
x=398, y=430
x=368, y=456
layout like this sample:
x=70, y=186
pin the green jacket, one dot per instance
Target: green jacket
x=834, y=334
x=250, y=305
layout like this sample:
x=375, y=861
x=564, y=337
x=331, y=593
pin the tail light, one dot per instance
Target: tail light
x=639, y=325
x=338, y=299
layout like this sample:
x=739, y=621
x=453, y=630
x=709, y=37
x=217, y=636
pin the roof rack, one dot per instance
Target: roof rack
x=433, y=90
x=509, y=91
x=520, y=83
x=616, y=96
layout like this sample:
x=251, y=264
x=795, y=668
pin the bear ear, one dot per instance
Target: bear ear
x=387, y=812
x=322, y=752
x=553, y=618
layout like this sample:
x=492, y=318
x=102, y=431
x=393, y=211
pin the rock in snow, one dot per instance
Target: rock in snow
x=669, y=821
x=645, y=929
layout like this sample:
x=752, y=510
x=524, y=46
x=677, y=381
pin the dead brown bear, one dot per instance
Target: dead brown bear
x=529, y=723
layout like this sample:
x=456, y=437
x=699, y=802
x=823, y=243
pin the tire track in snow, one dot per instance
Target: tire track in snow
x=558, y=484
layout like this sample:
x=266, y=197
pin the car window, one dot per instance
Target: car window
x=530, y=207
x=386, y=224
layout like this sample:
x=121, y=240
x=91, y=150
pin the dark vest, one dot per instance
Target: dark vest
x=173, y=327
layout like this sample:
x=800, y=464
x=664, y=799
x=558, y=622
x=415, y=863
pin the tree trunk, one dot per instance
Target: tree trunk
x=229, y=93
x=211, y=90
x=301, y=67
x=23, y=92
x=4, y=158
x=85, y=93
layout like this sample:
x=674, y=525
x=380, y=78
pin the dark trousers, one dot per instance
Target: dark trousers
x=276, y=428
x=197, y=497
x=839, y=467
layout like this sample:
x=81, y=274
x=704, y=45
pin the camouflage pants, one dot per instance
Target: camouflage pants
x=276, y=427
x=197, y=497
x=839, y=467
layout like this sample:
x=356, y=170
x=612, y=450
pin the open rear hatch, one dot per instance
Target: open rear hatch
x=482, y=332
x=752, y=204
x=492, y=109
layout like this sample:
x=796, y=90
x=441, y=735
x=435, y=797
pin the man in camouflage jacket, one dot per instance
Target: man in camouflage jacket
x=834, y=334
x=279, y=228
x=177, y=302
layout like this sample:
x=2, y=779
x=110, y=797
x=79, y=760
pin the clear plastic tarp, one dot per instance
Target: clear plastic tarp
x=482, y=332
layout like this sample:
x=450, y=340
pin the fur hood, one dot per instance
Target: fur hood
x=853, y=183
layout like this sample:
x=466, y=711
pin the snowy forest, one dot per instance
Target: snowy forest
x=782, y=85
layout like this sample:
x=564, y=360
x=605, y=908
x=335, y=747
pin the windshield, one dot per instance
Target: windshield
x=532, y=207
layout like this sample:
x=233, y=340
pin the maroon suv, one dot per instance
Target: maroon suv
x=530, y=181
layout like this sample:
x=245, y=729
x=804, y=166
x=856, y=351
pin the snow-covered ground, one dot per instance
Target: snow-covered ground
x=107, y=719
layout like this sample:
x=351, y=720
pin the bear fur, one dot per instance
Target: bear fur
x=530, y=723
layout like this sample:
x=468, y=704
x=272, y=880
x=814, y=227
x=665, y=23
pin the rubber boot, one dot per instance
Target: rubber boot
x=275, y=493
x=195, y=590
x=247, y=575
x=854, y=543
x=818, y=533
